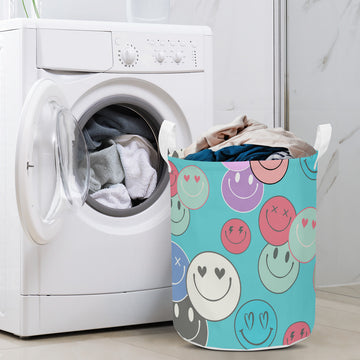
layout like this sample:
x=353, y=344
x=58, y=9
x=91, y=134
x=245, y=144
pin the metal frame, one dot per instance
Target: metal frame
x=281, y=117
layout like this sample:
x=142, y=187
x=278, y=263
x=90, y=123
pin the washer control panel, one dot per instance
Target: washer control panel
x=157, y=52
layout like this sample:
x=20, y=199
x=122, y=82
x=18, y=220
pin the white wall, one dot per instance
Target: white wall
x=324, y=86
x=243, y=53
x=243, y=45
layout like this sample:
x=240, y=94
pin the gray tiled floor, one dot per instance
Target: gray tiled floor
x=336, y=336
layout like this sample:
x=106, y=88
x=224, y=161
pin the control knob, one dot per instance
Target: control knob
x=178, y=56
x=160, y=56
x=128, y=55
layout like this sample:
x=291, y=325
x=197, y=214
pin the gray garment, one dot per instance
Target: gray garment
x=115, y=197
x=113, y=121
x=105, y=168
x=281, y=155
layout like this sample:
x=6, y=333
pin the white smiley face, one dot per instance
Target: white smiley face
x=213, y=286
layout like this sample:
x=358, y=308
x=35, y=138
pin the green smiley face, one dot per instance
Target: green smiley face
x=180, y=216
x=193, y=187
x=278, y=270
x=302, y=235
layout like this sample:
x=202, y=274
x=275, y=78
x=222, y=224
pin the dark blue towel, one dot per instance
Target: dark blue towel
x=245, y=152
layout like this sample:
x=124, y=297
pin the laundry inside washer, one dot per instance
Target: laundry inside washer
x=124, y=158
x=112, y=121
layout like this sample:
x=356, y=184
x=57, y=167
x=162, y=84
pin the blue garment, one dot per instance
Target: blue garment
x=245, y=152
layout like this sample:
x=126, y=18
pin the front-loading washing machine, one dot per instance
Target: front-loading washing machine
x=68, y=262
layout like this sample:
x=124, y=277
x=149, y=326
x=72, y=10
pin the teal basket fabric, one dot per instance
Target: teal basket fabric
x=243, y=252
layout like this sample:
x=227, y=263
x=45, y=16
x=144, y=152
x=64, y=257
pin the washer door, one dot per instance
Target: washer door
x=52, y=176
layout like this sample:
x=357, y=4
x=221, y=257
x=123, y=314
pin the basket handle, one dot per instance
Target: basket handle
x=167, y=140
x=323, y=137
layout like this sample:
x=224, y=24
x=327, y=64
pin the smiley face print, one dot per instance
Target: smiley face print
x=269, y=171
x=193, y=187
x=180, y=216
x=256, y=324
x=296, y=332
x=241, y=190
x=213, y=286
x=302, y=235
x=179, y=266
x=188, y=323
x=235, y=236
x=174, y=174
x=309, y=167
x=275, y=219
x=278, y=270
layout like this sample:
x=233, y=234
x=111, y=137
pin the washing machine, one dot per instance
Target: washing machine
x=68, y=262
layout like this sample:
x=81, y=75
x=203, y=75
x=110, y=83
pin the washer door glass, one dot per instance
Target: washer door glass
x=72, y=156
x=53, y=162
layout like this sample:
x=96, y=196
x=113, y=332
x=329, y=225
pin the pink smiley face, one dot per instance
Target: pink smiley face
x=276, y=217
x=235, y=236
x=296, y=332
x=174, y=174
x=269, y=171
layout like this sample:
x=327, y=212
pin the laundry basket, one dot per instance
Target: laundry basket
x=243, y=251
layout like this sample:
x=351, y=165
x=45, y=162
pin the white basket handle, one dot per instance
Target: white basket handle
x=167, y=140
x=323, y=137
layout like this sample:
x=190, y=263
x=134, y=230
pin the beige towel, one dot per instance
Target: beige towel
x=245, y=131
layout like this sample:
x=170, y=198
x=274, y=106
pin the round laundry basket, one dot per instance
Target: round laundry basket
x=243, y=252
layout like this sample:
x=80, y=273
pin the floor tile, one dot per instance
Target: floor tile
x=339, y=298
x=9, y=341
x=322, y=344
x=348, y=290
x=337, y=314
x=92, y=349
x=336, y=335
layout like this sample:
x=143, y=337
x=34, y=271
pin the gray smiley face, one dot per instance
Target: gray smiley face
x=188, y=323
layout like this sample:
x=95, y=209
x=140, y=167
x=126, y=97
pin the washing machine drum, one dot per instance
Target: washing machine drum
x=127, y=173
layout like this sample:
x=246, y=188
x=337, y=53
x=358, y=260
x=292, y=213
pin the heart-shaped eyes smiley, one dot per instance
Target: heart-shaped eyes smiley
x=249, y=320
x=202, y=270
x=187, y=178
x=219, y=273
x=264, y=319
x=304, y=222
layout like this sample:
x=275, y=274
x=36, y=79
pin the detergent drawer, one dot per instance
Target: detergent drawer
x=74, y=50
